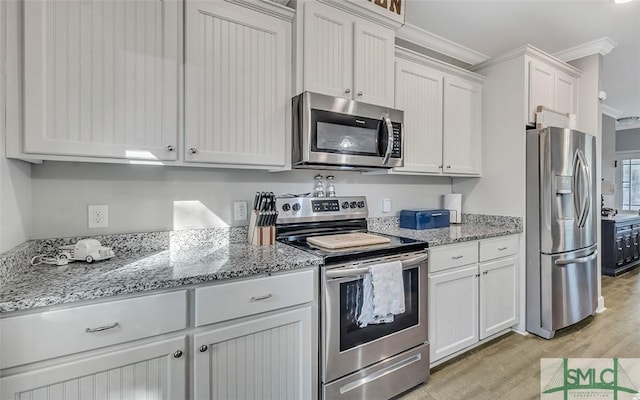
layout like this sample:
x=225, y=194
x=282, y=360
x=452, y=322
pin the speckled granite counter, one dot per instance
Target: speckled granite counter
x=144, y=268
x=474, y=227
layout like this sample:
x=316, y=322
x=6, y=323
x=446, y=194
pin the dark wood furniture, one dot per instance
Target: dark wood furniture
x=620, y=244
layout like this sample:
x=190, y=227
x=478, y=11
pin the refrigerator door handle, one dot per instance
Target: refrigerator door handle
x=580, y=260
x=587, y=188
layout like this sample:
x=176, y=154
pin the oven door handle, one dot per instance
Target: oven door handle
x=350, y=271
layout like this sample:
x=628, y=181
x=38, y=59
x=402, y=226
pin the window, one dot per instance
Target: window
x=630, y=184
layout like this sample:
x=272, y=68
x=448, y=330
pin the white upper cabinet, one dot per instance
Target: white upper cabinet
x=347, y=57
x=462, y=126
x=552, y=88
x=101, y=78
x=328, y=51
x=442, y=116
x=237, y=99
x=419, y=94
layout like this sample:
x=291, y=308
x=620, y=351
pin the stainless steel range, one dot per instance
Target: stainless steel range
x=377, y=361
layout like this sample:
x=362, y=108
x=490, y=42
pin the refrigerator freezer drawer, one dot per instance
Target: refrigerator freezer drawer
x=568, y=290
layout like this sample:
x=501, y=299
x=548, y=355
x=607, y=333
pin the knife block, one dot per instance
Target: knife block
x=260, y=235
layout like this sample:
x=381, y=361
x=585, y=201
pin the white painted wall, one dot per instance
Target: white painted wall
x=590, y=121
x=15, y=185
x=149, y=198
x=608, y=155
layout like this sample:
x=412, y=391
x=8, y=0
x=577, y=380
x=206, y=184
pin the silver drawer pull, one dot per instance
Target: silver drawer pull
x=456, y=257
x=502, y=248
x=258, y=298
x=101, y=328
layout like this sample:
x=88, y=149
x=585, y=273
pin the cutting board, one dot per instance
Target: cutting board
x=345, y=240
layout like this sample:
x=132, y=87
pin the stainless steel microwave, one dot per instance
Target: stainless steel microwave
x=337, y=133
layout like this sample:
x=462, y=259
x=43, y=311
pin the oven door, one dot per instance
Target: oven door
x=347, y=347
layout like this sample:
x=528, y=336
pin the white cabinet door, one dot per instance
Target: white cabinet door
x=541, y=87
x=263, y=358
x=462, y=126
x=419, y=94
x=101, y=78
x=328, y=50
x=498, y=296
x=237, y=99
x=373, y=63
x=453, y=310
x=149, y=371
x=566, y=93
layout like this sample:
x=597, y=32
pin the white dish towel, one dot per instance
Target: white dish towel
x=383, y=294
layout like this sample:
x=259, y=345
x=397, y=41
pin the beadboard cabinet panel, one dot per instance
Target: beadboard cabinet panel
x=237, y=85
x=541, y=83
x=149, y=371
x=373, y=64
x=101, y=78
x=498, y=296
x=328, y=50
x=462, y=126
x=264, y=358
x=419, y=95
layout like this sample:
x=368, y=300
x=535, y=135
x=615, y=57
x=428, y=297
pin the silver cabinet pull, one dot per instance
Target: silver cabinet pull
x=203, y=348
x=436, y=215
x=258, y=298
x=170, y=148
x=347, y=90
x=440, y=166
x=456, y=257
x=101, y=328
x=485, y=272
x=477, y=275
x=448, y=166
x=193, y=150
x=177, y=354
x=360, y=93
x=502, y=248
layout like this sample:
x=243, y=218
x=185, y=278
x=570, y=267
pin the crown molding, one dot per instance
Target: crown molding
x=267, y=7
x=610, y=111
x=431, y=41
x=626, y=127
x=601, y=46
x=534, y=53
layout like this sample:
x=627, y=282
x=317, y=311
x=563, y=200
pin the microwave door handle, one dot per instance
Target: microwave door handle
x=387, y=121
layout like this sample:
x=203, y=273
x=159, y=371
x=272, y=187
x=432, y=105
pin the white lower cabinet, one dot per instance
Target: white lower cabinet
x=453, y=310
x=148, y=371
x=471, y=302
x=268, y=357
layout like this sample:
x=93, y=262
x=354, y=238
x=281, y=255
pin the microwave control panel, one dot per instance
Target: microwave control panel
x=396, y=151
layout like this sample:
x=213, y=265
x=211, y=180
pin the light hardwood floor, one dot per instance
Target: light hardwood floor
x=509, y=367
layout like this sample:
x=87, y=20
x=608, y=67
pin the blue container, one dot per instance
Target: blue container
x=424, y=219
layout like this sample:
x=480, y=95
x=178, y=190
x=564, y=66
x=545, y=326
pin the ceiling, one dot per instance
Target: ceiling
x=495, y=27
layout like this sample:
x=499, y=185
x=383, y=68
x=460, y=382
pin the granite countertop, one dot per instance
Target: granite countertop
x=127, y=273
x=452, y=234
x=473, y=227
x=164, y=260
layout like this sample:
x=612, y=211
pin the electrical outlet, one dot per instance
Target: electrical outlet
x=386, y=205
x=240, y=210
x=98, y=216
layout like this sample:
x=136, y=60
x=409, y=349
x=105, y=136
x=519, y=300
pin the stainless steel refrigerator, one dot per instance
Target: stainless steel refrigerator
x=560, y=229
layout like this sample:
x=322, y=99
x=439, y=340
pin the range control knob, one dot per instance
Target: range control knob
x=296, y=207
x=361, y=204
x=345, y=204
x=353, y=204
x=286, y=207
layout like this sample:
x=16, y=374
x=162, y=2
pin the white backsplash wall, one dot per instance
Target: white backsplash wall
x=151, y=198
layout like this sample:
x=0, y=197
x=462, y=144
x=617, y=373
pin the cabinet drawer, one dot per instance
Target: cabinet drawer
x=441, y=258
x=36, y=337
x=498, y=247
x=238, y=299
